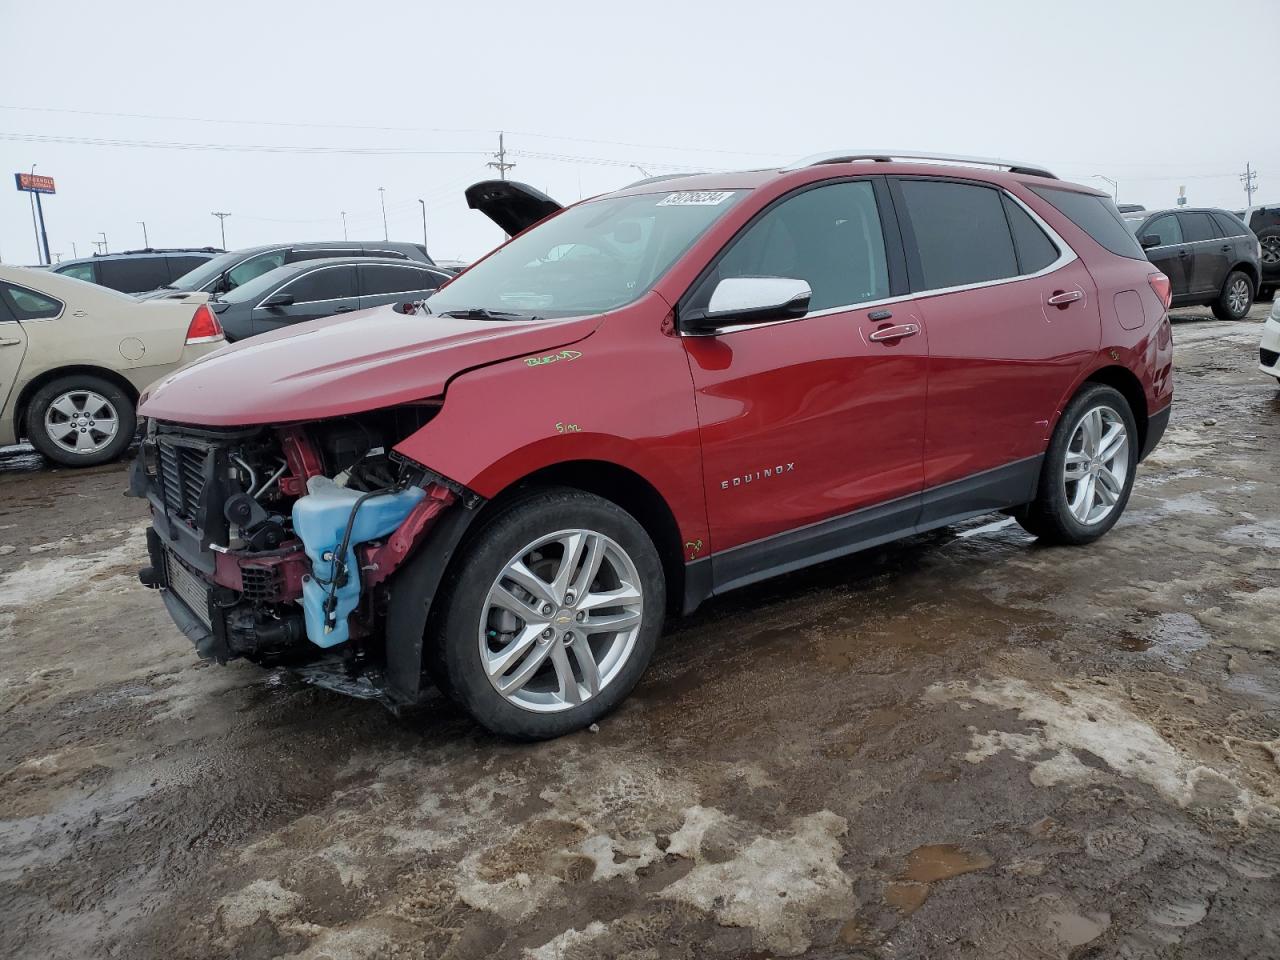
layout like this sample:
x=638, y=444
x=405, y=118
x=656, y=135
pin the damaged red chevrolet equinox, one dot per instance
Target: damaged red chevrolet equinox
x=644, y=400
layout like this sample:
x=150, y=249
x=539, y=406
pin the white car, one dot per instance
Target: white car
x=1269, y=350
x=74, y=358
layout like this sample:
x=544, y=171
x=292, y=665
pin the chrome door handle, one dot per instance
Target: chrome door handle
x=1063, y=297
x=896, y=332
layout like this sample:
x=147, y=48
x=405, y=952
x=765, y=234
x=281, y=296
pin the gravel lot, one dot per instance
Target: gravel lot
x=963, y=745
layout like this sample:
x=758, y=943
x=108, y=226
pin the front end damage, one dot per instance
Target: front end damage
x=285, y=545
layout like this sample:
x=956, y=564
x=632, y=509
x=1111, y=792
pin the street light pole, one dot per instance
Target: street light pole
x=424, y=222
x=344, y=224
x=145, y=242
x=103, y=235
x=382, y=196
x=1115, y=187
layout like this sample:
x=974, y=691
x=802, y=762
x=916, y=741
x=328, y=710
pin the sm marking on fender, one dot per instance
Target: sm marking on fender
x=764, y=474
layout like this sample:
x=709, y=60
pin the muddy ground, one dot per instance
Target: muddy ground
x=963, y=745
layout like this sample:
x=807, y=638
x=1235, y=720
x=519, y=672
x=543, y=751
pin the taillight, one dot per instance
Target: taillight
x=204, y=327
x=1163, y=291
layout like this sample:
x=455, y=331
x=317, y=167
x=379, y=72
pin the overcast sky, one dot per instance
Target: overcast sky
x=287, y=110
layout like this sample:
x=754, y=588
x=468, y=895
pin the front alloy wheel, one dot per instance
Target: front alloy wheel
x=549, y=614
x=561, y=620
x=1239, y=297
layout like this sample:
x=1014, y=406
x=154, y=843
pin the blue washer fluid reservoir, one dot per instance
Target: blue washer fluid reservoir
x=320, y=519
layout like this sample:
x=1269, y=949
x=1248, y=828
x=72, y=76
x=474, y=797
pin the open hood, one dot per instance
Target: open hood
x=359, y=361
x=514, y=207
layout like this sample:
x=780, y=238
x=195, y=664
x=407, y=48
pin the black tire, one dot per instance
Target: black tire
x=453, y=640
x=1049, y=516
x=83, y=386
x=1266, y=293
x=1222, y=308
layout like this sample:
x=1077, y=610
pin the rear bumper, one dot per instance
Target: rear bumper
x=1157, y=423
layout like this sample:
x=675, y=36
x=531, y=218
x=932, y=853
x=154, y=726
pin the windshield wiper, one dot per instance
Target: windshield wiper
x=481, y=313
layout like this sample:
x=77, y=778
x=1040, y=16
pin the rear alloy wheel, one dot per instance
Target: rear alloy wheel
x=1236, y=297
x=1266, y=293
x=1088, y=471
x=550, y=615
x=80, y=421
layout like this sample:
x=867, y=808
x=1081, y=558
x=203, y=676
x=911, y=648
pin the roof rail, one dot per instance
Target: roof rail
x=888, y=156
x=661, y=177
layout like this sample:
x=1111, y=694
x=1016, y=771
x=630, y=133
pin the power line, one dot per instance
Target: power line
x=233, y=147
x=299, y=125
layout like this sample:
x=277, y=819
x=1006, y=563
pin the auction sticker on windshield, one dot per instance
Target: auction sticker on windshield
x=695, y=198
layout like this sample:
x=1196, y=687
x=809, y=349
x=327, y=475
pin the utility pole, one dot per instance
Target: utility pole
x=103, y=235
x=74, y=255
x=1250, y=179
x=424, y=222
x=643, y=172
x=501, y=164
x=222, y=225
x=145, y=242
x=344, y=224
x=382, y=196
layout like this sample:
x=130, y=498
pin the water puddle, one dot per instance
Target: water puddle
x=942, y=861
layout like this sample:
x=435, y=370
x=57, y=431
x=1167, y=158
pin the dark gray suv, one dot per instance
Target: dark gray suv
x=223, y=274
x=312, y=289
x=1209, y=256
x=136, y=271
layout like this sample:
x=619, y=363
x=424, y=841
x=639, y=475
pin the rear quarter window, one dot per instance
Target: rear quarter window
x=1096, y=216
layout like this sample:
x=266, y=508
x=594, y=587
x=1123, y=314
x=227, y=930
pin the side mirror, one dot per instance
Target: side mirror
x=1149, y=240
x=278, y=300
x=752, y=300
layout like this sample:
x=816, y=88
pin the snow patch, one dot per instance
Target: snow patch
x=777, y=885
x=561, y=944
x=260, y=898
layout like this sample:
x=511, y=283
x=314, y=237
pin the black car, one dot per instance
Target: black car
x=225, y=273
x=1264, y=221
x=313, y=289
x=1209, y=256
x=135, y=271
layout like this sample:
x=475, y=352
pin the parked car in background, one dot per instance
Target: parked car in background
x=1269, y=349
x=74, y=358
x=1264, y=221
x=223, y=274
x=136, y=271
x=1130, y=207
x=1209, y=255
x=311, y=289
x=649, y=398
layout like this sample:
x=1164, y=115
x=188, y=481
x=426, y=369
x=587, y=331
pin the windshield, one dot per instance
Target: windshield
x=593, y=257
x=260, y=285
x=207, y=271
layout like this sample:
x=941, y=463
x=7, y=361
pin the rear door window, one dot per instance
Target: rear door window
x=328, y=283
x=178, y=266
x=133, y=274
x=1197, y=227
x=377, y=279
x=27, y=304
x=1229, y=225
x=961, y=232
x=1096, y=216
x=1034, y=248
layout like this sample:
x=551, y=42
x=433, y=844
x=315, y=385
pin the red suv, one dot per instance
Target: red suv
x=647, y=399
